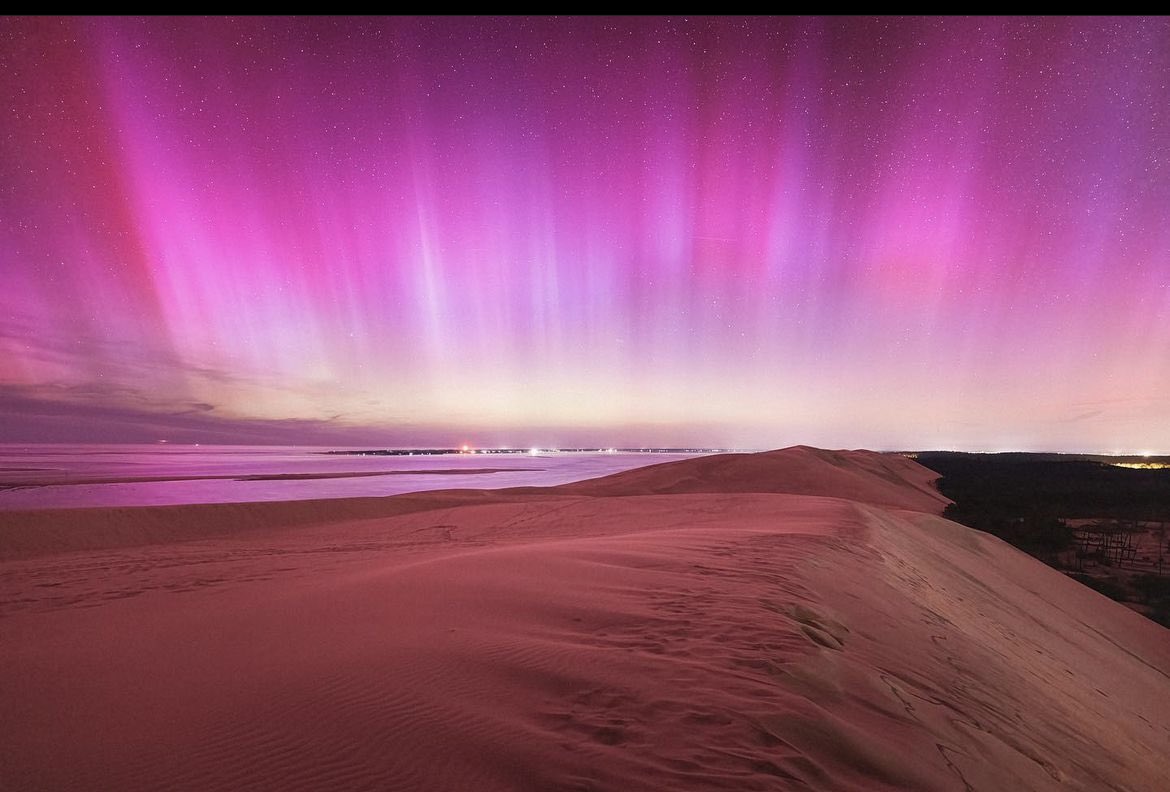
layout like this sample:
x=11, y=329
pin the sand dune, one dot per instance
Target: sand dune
x=883, y=479
x=646, y=631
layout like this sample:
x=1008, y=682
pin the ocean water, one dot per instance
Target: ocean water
x=62, y=476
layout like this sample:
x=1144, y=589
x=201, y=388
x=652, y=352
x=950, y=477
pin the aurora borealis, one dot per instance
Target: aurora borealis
x=849, y=232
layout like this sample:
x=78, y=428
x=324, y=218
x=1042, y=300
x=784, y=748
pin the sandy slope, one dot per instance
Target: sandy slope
x=579, y=638
x=888, y=480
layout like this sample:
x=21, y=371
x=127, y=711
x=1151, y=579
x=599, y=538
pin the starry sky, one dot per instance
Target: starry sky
x=894, y=233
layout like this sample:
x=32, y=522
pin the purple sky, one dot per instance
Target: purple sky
x=890, y=233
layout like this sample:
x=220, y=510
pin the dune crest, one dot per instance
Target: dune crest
x=645, y=631
x=890, y=480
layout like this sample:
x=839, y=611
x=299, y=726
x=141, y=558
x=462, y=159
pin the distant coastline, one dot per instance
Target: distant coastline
x=442, y=451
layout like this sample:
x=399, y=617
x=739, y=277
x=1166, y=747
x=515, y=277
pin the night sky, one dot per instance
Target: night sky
x=886, y=233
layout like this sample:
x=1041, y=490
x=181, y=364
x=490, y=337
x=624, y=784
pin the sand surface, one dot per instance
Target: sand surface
x=792, y=620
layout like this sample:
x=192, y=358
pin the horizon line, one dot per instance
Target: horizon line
x=471, y=450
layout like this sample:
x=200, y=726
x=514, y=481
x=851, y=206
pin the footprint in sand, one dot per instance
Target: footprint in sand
x=820, y=629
